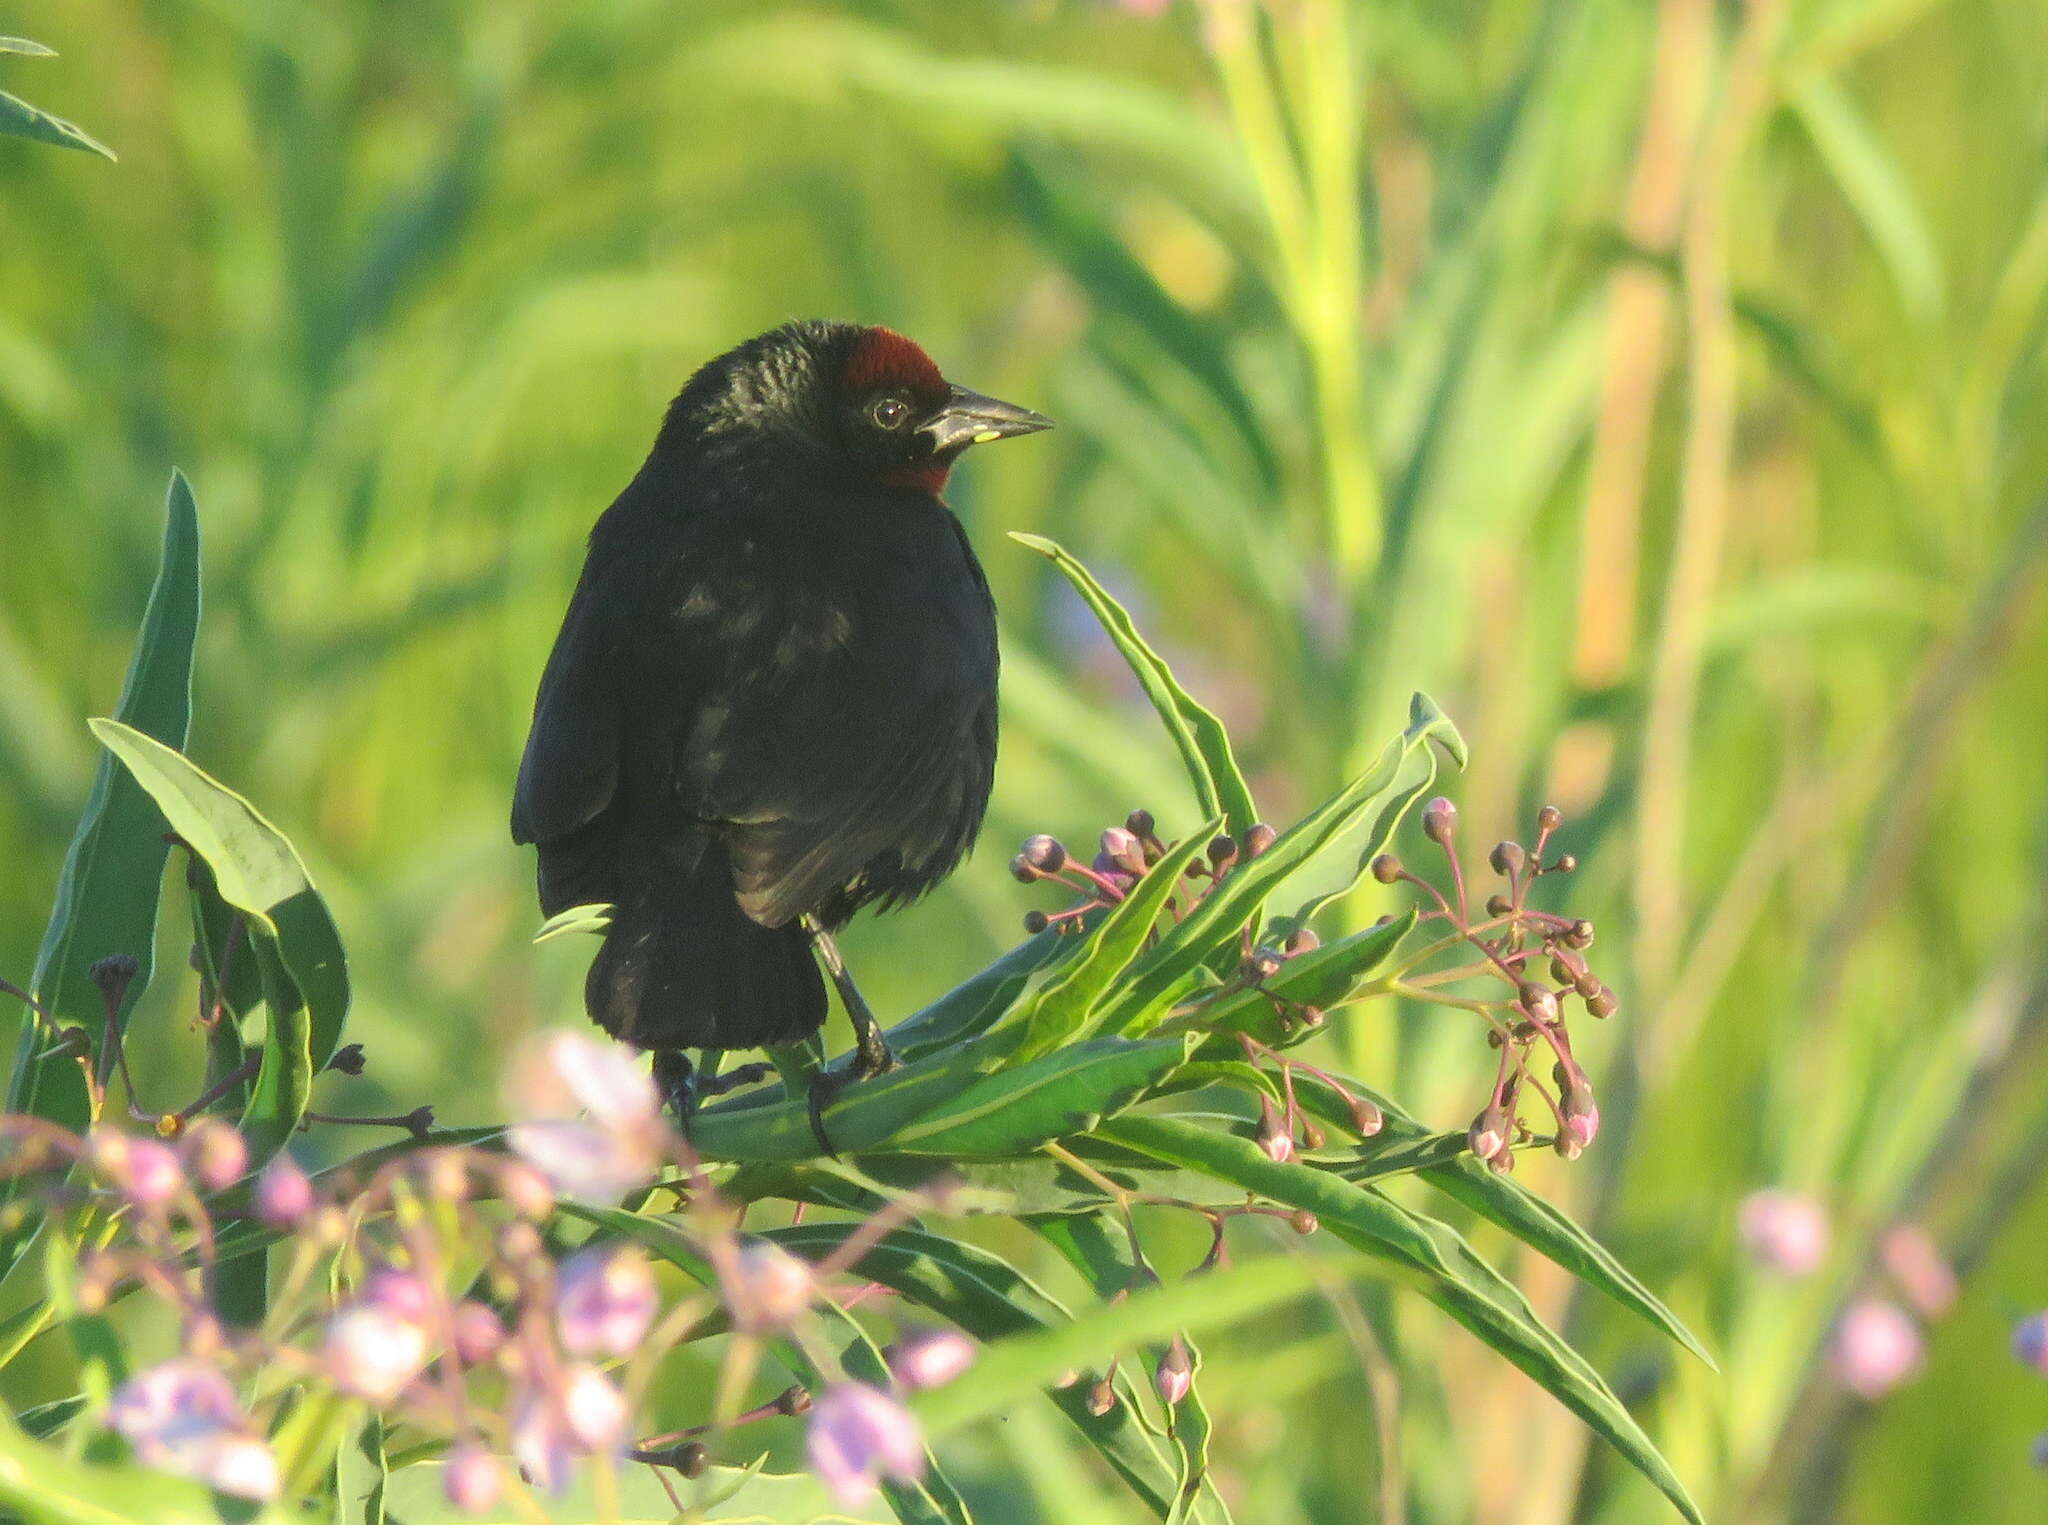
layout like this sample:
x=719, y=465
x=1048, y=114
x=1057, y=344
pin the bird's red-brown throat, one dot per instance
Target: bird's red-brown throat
x=773, y=699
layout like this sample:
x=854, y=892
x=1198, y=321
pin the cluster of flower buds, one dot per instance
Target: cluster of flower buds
x=1538, y=956
x=1125, y=854
x=452, y=1314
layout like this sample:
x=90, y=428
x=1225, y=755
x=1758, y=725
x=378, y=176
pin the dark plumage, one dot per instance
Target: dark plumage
x=773, y=698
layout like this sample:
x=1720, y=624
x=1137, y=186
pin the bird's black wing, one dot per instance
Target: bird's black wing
x=570, y=770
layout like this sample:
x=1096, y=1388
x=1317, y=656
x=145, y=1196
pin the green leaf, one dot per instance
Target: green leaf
x=1101, y=1252
x=42, y=1485
x=1014, y=1368
x=26, y=48
x=113, y=874
x=298, y=950
x=1068, y=1091
x=990, y=1299
x=361, y=1471
x=762, y=1126
x=1062, y=1009
x=1204, y=745
x=415, y=1495
x=1211, y=929
x=1320, y=978
x=1431, y=1258
x=1510, y=1206
x=977, y=1003
x=1874, y=184
x=21, y=120
x=595, y=918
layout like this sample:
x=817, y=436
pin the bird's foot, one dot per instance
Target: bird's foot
x=826, y=1086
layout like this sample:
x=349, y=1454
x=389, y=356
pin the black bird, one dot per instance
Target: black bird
x=773, y=698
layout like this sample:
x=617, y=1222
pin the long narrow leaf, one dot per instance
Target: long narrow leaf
x=1431, y=1258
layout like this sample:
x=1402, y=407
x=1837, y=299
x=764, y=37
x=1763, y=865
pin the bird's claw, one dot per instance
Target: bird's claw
x=827, y=1084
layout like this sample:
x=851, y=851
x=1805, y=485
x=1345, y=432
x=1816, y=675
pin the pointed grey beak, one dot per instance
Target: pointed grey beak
x=969, y=418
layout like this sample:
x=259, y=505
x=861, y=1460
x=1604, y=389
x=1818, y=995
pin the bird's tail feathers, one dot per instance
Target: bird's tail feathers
x=684, y=967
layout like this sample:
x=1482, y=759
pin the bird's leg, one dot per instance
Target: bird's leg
x=871, y=1051
x=872, y=1055
x=675, y=1077
x=733, y=1079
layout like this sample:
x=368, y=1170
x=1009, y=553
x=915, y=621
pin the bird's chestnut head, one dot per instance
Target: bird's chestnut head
x=844, y=400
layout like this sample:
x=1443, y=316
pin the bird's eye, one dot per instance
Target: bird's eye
x=890, y=412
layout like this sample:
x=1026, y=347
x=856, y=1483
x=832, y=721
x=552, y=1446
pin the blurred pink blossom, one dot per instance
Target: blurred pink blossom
x=931, y=1358
x=765, y=1287
x=616, y=1147
x=218, y=1155
x=478, y=1333
x=857, y=1433
x=284, y=1193
x=541, y=1443
x=604, y=1301
x=593, y=1409
x=1783, y=1231
x=373, y=1352
x=1877, y=1346
x=182, y=1417
x=470, y=1478
x=145, y=1171
x=1923, y=1275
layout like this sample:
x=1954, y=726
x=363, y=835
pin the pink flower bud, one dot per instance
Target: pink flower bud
x=1439, y=819
x=1176, y=1373
x=1488, y=1135
x=1923, y=1275
x=470, y=1478
x=932, y=1358
x=857, y=1433
x=406, y=1294
x=2030, y=1341
x=1581, y=1114
x=1876, y=1347
x=1274, y=1138
x=766, y=1288
x=373, y=1353
x=479, y=1332
x=604, y=1301
x=284, y=1193
x=1122, y=850
x=1783, y=1231
x=218, y=1155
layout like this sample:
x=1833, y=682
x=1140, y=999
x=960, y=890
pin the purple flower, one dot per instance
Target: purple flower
x=765, y=1287
x=373, y=1352
x=2030, y=1341
x=284, y=1193
x=1783, y=1231
x=858, y=1433
x=601, y=1157
x=541, y=1443
x=931, y=1358
x=604, y=1301
x=182, y=1417
x=1876, y=1348
x=470, y=1478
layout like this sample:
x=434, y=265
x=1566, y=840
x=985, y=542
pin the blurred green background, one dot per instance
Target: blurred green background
x=1658, y=385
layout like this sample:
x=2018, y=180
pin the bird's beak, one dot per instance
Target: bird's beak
x=968, y=418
